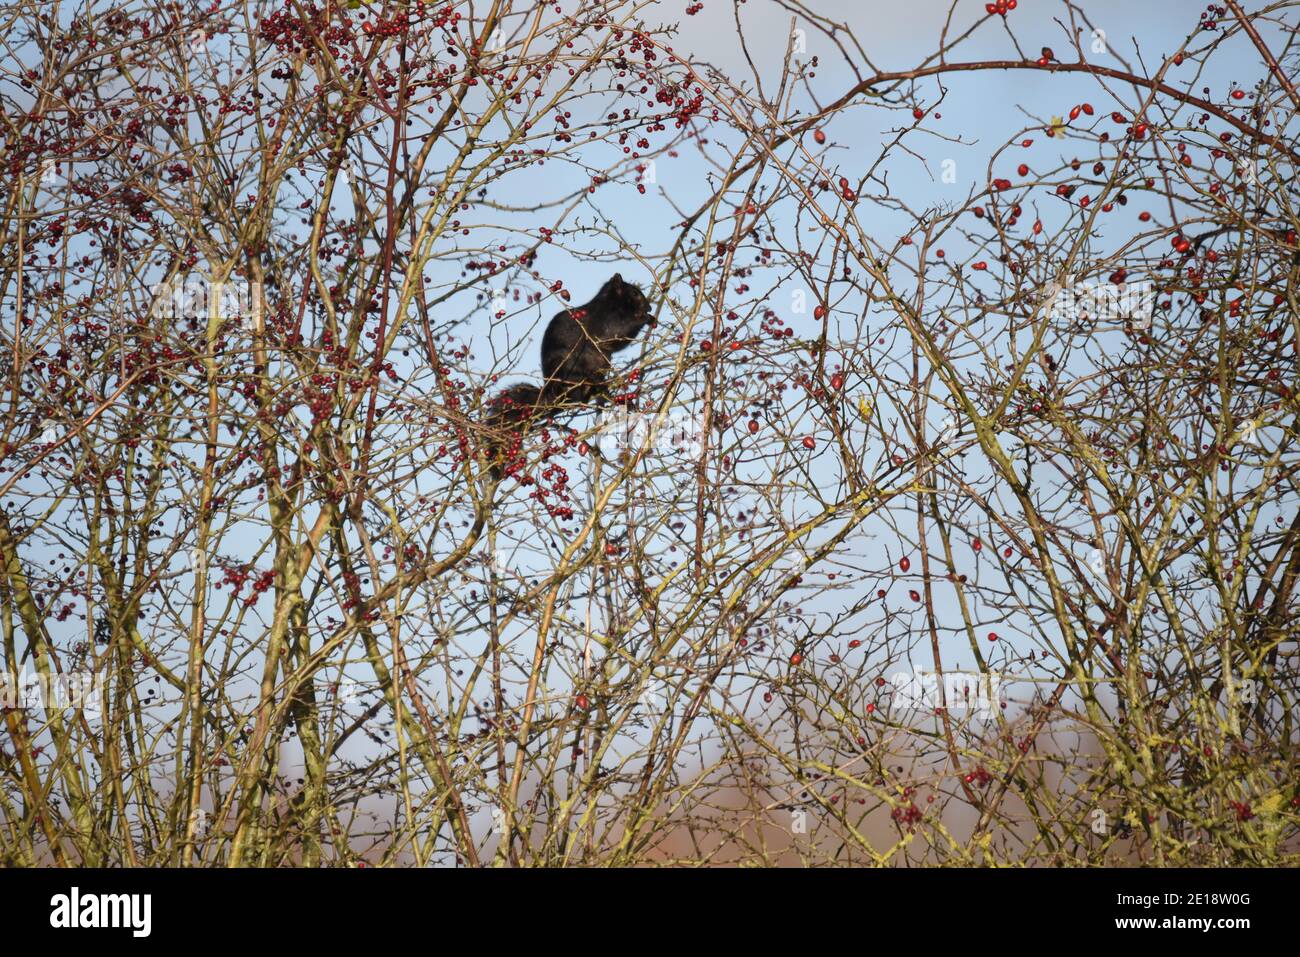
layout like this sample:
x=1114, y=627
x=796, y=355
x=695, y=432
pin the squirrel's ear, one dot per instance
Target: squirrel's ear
x=617, y=278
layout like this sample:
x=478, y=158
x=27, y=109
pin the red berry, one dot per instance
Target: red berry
x=918, y=113
x=581, y=701
x=819, y=136
x=796, y=659
x=904, y=563
x=809, y=442
x=837, y=381
x=993, y=636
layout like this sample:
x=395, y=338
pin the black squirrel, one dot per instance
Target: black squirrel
x=576, y=351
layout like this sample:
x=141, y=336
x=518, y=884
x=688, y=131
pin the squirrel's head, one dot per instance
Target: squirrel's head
x=626, y=297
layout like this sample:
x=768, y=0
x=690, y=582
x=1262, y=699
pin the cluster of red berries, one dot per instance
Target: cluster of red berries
x=264, y=581
x=1210, y=17
x=909, y=815
x=395, y=27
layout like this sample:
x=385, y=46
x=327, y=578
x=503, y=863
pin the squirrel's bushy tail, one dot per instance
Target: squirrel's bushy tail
x=510, y=413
